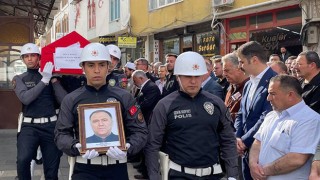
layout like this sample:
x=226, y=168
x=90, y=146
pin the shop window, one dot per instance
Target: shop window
x=187, y=43
x=289, y=13
x=171, y=46
x=259, y=19
x=114, y=10
x=235, y=23
x=155, y=4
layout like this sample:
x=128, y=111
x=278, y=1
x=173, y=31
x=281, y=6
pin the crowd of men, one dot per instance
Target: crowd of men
x=238, y=116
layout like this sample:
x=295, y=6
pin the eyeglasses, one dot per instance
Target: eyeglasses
x=139, y=64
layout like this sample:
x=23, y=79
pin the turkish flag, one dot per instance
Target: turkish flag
x=67, y=40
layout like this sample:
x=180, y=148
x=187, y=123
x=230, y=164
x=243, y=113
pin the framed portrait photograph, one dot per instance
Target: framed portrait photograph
x=101, y=127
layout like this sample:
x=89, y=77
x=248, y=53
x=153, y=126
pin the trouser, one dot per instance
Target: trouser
x=176, y=175
x=245, y=167
x=29, y=139
x=100, y=172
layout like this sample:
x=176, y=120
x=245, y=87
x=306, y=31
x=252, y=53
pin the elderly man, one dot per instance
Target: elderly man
x=287, y=139
x=237, y=79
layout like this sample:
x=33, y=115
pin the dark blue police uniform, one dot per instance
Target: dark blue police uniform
x=39, y=120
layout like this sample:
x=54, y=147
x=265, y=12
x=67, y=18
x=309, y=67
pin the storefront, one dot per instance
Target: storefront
x=200, y=38
x=273, y=29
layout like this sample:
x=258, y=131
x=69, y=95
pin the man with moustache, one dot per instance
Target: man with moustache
x=237, y=79
x=287, y=139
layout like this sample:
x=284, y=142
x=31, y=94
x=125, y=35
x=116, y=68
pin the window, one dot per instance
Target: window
x=91, y=14
x=171, y=46
x=114, y=10
x=289, y=13
x=155, y=4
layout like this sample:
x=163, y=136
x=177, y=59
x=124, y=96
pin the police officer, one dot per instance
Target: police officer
x=38, y=93
x=116, y=77
x=95, y=60
x=193, y=126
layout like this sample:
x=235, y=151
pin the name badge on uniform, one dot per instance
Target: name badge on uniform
x=111, y=100
x=209, y=107
x=236, y=96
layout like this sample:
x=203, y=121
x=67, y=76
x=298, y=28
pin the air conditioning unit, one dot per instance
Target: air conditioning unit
x=220, y=3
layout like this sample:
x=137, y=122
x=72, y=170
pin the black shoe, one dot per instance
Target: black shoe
x=140, y=176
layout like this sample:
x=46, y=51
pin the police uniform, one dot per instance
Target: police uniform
x=117, y=79
x=193, y=132
x=67, y=131
x=39, y=120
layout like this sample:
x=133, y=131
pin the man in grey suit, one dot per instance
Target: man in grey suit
x=209, y=84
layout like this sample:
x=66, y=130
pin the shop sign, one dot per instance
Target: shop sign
x=208, y=44
x=105, y=40
x=127, y=42
x=271, y=39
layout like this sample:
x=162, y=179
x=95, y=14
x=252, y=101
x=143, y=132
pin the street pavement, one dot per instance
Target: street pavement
x=8, y=154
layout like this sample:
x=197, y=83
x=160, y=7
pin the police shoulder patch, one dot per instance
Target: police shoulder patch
x=111, y=100
x=209, y=107
x=112, y=82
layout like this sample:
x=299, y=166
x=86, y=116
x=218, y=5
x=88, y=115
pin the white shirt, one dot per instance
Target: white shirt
x=160, y=84
x=143, y=84
x=254, y=84
x=205, y=82
x=295, y=129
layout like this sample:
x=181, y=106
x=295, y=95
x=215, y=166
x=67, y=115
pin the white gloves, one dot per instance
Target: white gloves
x=113, y=152
x=116, y=153
x=89, y=154
x=47, y=72
x=231, y=178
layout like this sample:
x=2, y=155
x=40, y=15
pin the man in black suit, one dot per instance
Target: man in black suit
x=284, y=54
x=171, y=82
x=147, y=99
x=149, y=94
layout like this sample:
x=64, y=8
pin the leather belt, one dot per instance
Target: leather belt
x=214, y=169
x=40, y=120
x=100, y=160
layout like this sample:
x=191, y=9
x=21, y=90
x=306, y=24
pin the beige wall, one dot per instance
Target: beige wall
x=183, y=13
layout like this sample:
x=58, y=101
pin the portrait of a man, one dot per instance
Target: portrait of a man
x=101, y=124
